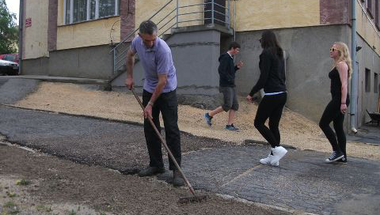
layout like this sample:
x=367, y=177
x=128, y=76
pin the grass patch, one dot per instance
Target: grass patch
x=43, y=208
x=11, y=209
x=11, y=195
x=23, y=182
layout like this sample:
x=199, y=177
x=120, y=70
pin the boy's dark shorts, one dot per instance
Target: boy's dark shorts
x=230, y=100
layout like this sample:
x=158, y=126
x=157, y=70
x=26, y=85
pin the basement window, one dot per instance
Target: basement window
x=367, y=80
x=76, y=11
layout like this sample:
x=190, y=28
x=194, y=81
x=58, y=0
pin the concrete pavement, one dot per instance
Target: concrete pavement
x=303, y=182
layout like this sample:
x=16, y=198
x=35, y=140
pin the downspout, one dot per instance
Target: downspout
x=354, y=79
x=20, y=33
x=234, y=21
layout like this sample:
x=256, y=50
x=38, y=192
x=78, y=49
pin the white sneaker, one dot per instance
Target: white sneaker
x=267, y=161
x=278, y=153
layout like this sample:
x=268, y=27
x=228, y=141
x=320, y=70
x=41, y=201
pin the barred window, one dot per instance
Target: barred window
x=106, y=8
x=80, y=10
x=84, y=10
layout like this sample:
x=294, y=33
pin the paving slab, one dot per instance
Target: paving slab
x=302, y=182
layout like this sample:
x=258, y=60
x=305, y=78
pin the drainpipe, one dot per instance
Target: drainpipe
x=20, y=33
x=234, y=20
x=354, y=79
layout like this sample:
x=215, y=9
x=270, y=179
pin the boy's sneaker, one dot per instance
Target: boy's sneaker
x=231, y=127
x=278, y=153
x=335, y=156
x=208, y=119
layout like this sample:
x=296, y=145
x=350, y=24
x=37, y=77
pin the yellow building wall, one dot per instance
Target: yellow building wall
x=89, y=33
x=250, y=14
x=269, y=14
x=92, y=33
x=366, y=30
x=60, y=12
x=36, y=36
x=145, y=10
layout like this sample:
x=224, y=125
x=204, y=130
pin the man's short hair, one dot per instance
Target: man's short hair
x=234, y=45
x=148, y=27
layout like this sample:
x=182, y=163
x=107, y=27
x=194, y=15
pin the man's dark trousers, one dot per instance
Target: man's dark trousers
x=168, y=106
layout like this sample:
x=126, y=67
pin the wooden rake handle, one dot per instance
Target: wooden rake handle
x=165, y=145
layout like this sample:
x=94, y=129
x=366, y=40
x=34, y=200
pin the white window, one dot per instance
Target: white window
x=84, y=10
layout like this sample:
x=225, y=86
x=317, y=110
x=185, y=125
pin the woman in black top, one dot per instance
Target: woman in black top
x=272, y=79
x=337, y=107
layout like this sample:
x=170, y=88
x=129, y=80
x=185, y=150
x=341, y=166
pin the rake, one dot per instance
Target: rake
x=194, y=198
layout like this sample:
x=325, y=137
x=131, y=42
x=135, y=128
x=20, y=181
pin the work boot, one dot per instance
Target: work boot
x=177, y=179
x=151, y=170
x=278, y=153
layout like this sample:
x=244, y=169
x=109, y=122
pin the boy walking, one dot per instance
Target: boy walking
x=227, y=70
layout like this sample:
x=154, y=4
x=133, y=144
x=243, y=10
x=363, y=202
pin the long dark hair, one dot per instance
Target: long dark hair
x=269, y=42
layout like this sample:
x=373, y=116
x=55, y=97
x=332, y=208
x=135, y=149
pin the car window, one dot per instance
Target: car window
x=9, y=57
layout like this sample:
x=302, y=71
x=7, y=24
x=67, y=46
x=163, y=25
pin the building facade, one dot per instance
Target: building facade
x=75, y=38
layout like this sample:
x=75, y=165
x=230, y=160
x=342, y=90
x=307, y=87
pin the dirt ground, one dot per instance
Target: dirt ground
x=39, y=184
x=296, y=130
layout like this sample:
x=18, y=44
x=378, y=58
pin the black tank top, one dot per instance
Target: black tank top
x=336, y=84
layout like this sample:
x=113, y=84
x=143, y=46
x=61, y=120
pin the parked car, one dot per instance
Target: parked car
x=10, y=57
x=8, y=68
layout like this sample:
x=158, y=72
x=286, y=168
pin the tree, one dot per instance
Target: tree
x=8, y=30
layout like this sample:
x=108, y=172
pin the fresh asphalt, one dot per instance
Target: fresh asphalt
x=303, y=182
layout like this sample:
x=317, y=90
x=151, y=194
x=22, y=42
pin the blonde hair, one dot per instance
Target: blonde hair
x=344, y=55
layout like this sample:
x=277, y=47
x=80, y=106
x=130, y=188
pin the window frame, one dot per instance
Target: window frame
x=377, y=15
x=367, y=80
x=370, y=7
x=375, y=83
x=88, y=12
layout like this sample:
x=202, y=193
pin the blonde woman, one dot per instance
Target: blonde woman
x=337, y=107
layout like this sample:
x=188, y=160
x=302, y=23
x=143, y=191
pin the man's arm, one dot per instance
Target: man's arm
x=130, y=65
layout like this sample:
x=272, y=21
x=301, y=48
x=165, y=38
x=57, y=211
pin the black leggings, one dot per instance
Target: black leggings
x=333, y=114
x=270, y=107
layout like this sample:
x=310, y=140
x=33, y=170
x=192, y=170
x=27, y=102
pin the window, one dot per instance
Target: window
x=106, y=7
x=375, y=83
x=370, y=8
x=377, y=15
x=367, y=80
x=84, y=10
x=80, y=10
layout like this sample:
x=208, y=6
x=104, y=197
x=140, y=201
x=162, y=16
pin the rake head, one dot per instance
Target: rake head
x=192, y=199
